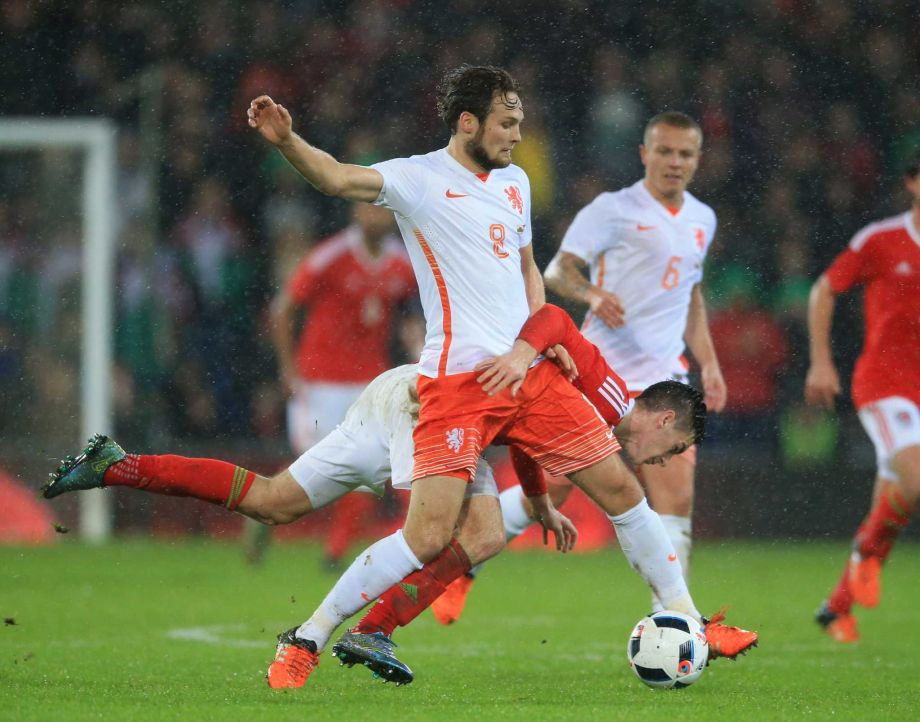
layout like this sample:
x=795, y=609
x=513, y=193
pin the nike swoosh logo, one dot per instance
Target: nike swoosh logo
x=640, y=227
x=672, y=557
x=455, y=195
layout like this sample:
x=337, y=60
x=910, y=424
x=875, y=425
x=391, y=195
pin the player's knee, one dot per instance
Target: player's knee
x=428, y=541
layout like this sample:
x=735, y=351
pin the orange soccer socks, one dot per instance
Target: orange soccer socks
x=217, y=482
x=404, y=601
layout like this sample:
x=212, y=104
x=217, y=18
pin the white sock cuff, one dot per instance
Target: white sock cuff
x=639, y=510
x=679, y=524
x=514, y=514
x=406, y=549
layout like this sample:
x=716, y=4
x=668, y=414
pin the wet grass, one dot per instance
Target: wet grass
x=149, y=631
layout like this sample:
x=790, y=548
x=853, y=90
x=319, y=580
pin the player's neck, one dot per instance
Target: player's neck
x=672, y=203
x=915, y=215
x=456, y=149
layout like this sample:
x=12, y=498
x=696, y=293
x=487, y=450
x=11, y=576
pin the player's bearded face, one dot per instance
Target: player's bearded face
x=491, y=145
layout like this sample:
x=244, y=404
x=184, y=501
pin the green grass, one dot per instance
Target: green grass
x=103, y=633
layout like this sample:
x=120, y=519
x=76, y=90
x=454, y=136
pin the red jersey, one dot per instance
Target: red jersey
x=596, y=380
x=885, y=258
x=350, y=297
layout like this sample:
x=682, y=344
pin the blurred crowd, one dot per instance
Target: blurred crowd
x=808, y=108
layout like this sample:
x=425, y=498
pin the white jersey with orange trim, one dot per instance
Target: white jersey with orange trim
x=464, y=233
x=651, y=257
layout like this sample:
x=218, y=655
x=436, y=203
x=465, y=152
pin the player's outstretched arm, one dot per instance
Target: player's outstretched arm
x=325, y=173
x=822, y=382
x=565, y=275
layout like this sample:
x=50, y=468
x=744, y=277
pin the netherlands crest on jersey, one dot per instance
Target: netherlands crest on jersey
x=455, y=440
x=514, y=198
x=700, y=236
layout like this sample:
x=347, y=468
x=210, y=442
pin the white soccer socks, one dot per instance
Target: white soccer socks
x=375, y=570
x=644, y=540
x=680, y=534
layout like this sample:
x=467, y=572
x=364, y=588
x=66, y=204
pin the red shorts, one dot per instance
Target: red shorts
x=549, y=419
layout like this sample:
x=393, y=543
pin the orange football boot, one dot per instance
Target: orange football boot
x=294, y=660
x=449, y=606
x=839, y=627
x=727, y=641
x=865, y=580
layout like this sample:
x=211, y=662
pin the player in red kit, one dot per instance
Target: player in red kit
x=351, y=286
x=884, y=259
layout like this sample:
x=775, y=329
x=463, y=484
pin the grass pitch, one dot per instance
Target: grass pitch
x=157, y=631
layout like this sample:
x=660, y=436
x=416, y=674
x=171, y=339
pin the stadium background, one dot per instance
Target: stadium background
x=809, y=109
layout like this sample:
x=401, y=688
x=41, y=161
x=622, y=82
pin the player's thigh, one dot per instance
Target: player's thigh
x=610, y=485
x=906, y=464
x=893, y=426
x=670, y=485
x=434, y=510
x=344, y=460
x=559, y=489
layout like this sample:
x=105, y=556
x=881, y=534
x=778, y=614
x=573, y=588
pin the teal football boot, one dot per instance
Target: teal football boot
x=86, y=470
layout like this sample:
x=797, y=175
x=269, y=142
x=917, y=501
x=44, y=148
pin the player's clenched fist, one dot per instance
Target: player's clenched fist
x=271, y=119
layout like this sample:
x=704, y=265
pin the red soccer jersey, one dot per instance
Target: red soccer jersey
x=350, y=298
x=885, y=258
x=596, y=380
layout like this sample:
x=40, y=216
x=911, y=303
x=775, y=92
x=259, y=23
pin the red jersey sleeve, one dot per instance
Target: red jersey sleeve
x=854, y=265
x=529, y=473
x=303, y=282
x=596, y=380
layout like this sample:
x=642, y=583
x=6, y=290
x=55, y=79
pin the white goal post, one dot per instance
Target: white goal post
x=95, y=137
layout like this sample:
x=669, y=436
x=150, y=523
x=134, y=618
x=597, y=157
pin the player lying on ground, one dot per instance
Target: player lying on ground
x=374, y=442
x=885, y=258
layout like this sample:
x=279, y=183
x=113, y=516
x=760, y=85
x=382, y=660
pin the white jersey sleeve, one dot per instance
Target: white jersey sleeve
x=404, y=186
x=592, y=224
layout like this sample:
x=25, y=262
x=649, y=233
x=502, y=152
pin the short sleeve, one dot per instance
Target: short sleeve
x=404, y=185
x=853, y=266
x=303, y=282
x=586, y=229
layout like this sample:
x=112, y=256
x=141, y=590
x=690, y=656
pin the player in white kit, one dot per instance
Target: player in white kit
x=464, y=213
x=644, y=248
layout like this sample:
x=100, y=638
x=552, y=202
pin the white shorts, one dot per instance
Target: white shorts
x=893, y=424
x=362, y=454
x=316, y=409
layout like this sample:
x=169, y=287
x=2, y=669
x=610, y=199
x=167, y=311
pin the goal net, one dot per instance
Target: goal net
x=57, y=225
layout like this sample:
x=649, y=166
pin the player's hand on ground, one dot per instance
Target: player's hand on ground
x=607, y=307
x=509, y=369
x=271, y=119
x=552, y=520
x=563, y=360
x=715, y=392
x=822, y=385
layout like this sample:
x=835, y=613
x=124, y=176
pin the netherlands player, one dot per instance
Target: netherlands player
x=351, y=286
x=883, y=258
x=464, y=213
x=643, y=248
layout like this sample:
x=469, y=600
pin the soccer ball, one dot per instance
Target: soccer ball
x=668, y=649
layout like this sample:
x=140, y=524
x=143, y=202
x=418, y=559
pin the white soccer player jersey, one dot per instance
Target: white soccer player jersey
x=651, y=259
x=464, y=234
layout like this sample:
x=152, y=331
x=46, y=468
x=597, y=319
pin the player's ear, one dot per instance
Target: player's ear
x=667, y=418
x=467, y=123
